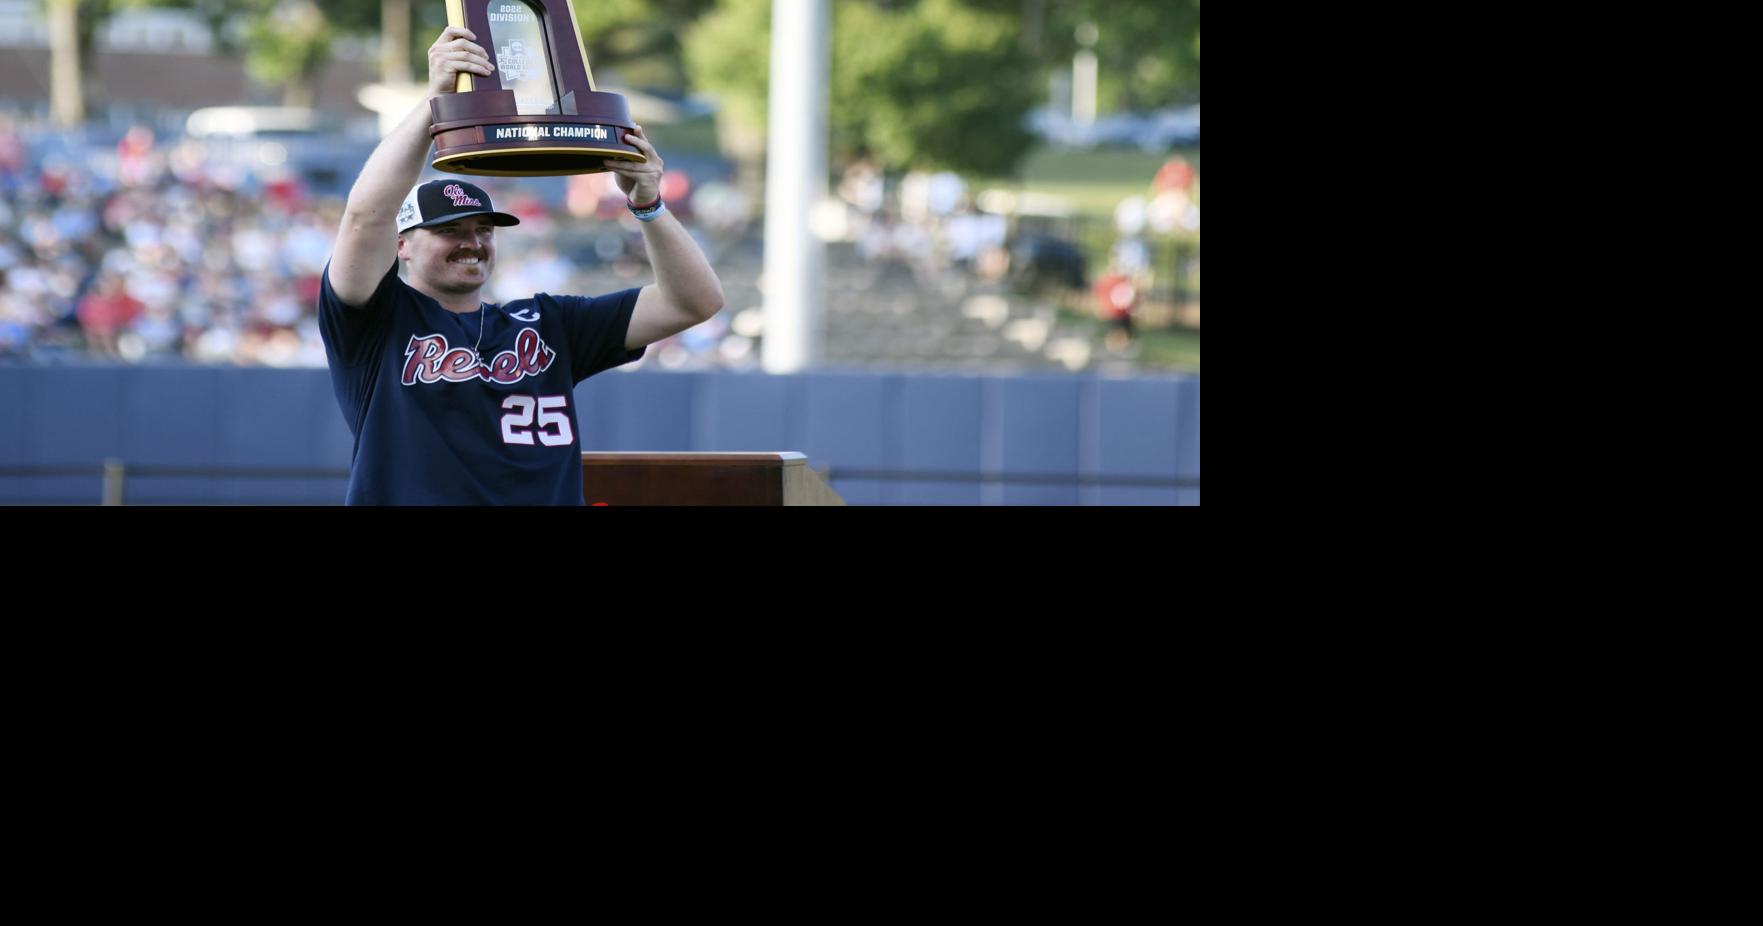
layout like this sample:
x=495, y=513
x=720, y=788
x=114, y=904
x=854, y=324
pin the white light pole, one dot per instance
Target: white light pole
x=1083, y=77
x=795, y=181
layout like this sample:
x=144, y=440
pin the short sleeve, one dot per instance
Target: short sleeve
x=597, y=328
x=349, y=330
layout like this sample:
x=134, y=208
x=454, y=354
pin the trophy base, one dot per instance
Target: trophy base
x=532, y=162
x=481, y=133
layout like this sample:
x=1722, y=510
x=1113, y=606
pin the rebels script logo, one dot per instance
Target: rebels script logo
x=428, y=359
x=457, y=194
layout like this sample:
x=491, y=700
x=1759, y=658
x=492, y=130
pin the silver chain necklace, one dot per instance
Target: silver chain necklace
x=485, y=309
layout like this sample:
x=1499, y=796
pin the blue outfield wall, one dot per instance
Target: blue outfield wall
x=884, y=438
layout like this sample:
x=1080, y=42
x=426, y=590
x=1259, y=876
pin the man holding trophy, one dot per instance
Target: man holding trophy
x=453, y=401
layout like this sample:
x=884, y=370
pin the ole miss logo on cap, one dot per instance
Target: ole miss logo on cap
x=440, y=201
x=457, y=194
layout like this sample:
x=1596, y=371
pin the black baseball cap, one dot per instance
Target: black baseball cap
x=438, y=202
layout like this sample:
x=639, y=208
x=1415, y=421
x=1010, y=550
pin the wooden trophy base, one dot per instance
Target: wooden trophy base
x=481, y=133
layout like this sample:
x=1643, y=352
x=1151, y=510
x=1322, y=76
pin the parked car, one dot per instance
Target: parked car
x=1155, y=131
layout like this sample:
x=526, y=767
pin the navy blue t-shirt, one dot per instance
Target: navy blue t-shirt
x=433, y=426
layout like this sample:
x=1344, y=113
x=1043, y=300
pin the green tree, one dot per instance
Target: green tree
x=1148, y=52
x=916, y=83
x=937, y=84
x=286, y=42
x=638, y=38
x=727, y=53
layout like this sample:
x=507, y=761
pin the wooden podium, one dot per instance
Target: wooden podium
x=703, y=479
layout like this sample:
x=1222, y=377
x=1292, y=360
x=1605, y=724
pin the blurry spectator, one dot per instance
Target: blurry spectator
x=1131, y=256
x=18, y=322
x=1116, y=297
x=531, y=212
x=861, y=186
x=135, y=164
x=893, y=244
x=972, y=234
x=283, y=189
x=12, y=153
x=595, y=196
x=157, y=333
x=104, y=313
x=1175, y=174
x=723, y=208
x=676, y=187
x=1129, y=216
x=1173, y=206
x=1173, y=210
x=306, y=247
x=542, y=270
x=925, y=197
x=945, y=193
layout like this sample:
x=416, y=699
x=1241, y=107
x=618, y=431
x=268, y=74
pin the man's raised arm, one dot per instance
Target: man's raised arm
x=367, y=241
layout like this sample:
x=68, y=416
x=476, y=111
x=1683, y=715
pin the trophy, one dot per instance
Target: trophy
x=537, y=114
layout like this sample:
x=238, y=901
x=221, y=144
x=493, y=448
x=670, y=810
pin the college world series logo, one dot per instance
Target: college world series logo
x=429, y=359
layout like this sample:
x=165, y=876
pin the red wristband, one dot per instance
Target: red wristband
x=633, y=203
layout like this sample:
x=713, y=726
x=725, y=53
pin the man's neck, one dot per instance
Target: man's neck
x=456, y=303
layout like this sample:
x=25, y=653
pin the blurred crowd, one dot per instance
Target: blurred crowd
x=927, y=223
x=933, y=224
x=177, y=250
x=149, y=249
x=1172, y=208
